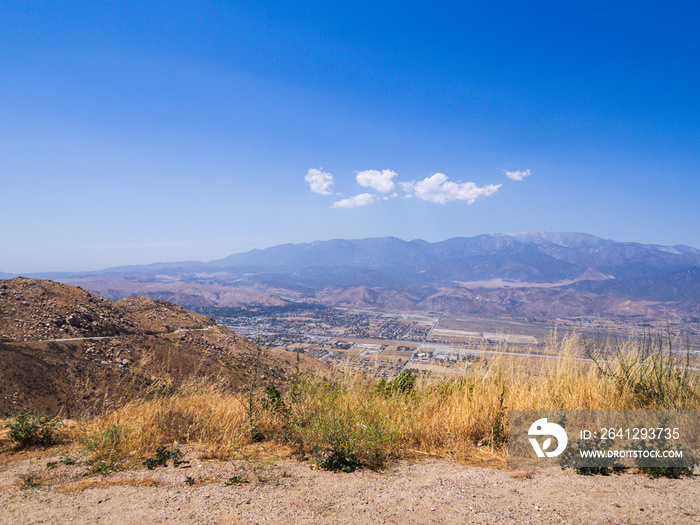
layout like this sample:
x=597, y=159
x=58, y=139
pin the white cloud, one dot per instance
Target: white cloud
x=363, y=199
x=319, y=182
x=517, y=175
x=377, y=180
x=441, y=190
x=407, y=187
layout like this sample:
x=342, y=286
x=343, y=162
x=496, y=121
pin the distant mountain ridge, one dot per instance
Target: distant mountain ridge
x=561, y=272
x=543, y=256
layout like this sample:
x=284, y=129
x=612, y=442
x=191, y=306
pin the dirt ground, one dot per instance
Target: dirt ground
x=287, y=491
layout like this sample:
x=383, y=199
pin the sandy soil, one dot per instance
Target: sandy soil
x=291, y=492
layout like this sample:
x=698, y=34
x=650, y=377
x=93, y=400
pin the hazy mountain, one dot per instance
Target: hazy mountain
x=517, y=273
x=534, y=256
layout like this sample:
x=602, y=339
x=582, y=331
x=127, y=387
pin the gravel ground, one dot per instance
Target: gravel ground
x=291, y=492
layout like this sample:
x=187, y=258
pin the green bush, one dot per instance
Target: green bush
x=339, y=460
x=163, y=455
x=272, y=402
x=591, y=467
x=160, y=459
x=402, y=384
x=674, y=467
x=346, y=439
x=31, y=428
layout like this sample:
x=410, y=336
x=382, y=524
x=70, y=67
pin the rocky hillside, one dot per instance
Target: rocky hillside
x=32, y=309
x=66, y=350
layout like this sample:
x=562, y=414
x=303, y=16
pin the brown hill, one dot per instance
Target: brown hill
x=63, y=349
x=365, y=297
x=536, y=302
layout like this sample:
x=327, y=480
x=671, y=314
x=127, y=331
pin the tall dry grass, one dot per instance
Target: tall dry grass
x=357, y=417
x=199, y=412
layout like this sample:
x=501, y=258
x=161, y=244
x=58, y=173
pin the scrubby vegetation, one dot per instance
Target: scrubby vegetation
x=30, y=428
x=360, y=422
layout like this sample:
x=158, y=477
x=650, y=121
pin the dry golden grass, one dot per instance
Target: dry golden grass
x=456, y=417
x=85, y=484
x=198, y=413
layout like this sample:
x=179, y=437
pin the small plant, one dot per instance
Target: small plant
x=344, y=439
x=674, y=468
x=295, y=382
x=272, y=402
x=499, y=431
x=67, y=460
x=189, y=481
x=51, y=465
x=162, y=456
x=252, y=396
x=234, y=481
x=105, y=468
x=402, y=384
x=160, y=459
x=29, y=481
x=572, y=457
x=31, y=428
x=176, y=455
x=667, y=472
x=340, y=460
x=405, y=381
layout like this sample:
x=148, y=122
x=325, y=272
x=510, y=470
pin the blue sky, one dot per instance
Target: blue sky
x=133, y=132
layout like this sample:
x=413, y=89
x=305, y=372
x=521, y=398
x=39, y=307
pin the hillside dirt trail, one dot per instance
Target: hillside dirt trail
x=287, y=491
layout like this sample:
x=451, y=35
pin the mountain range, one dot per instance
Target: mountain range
x=537, y=274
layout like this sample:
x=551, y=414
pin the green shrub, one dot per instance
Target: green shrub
x=160, y=459
x=674, y=467
x=163, y=455
x=405, y=382
x=592, y=467
x=29, y=481
x=339, y=460
x=345, y=439
x=272, y=402
x=31, y=428
x=402, y=384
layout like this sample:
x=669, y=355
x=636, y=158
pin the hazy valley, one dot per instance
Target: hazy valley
x=243, y=375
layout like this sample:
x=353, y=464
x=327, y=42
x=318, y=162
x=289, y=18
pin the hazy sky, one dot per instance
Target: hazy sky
x=136, y=132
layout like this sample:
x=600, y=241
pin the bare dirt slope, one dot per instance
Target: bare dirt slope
x=291, y=492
